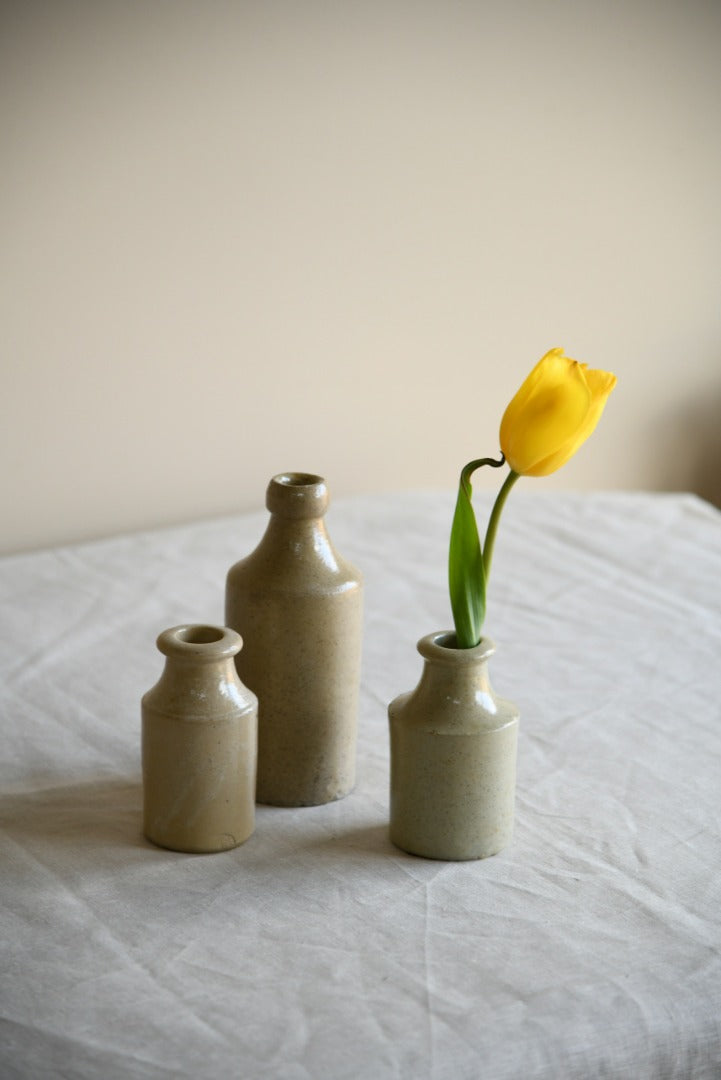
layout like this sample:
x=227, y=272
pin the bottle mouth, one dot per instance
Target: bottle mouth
x=442, y=647
x=298, y=479
x=200, y=635
x=200, y=641
x=297, y=495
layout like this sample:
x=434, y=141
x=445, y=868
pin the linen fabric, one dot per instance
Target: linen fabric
x=589, y=948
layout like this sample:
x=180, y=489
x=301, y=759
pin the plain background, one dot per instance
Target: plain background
x=241, y=238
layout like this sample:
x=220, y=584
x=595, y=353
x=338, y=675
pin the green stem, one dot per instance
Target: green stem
x=494, y=519
x=470, y=468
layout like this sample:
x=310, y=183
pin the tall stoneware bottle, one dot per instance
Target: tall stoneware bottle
x=199, y=744
x=298, y=606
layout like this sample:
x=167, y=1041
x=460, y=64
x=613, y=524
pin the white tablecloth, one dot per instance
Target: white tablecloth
x=590, y=948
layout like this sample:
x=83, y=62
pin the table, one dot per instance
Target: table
x=590, y=948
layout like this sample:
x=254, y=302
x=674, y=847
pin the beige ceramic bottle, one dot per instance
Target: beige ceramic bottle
x=298, y=605
x=199, y=744
x=453, y=756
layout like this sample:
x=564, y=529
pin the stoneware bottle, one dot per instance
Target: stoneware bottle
x=199, y=744
x=298, y=605
x=453, y=757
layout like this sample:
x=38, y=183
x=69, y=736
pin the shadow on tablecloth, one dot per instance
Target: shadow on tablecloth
x=88, y=817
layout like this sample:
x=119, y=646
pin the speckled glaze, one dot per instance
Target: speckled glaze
x=298, y=605
x=453, y=757
x=200, y=728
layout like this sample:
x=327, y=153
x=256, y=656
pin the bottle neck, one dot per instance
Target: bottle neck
x=300, y=539
x=297, y=495
x=199, y=662
x=462, y=683
x=457, y=675
x=191, y=673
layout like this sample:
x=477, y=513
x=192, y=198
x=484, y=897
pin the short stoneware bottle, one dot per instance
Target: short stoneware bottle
x=453, y=756
x=298, y=605
x=199, y=744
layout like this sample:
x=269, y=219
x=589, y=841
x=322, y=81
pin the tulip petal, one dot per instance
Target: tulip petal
x=536, y=376
x=600, y=384
x=546, y=412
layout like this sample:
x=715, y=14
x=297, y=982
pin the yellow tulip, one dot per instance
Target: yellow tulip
x=553, y=413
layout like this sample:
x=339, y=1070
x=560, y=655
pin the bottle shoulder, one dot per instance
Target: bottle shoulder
x=163, y=702
x=294, y=570
x=449, y=715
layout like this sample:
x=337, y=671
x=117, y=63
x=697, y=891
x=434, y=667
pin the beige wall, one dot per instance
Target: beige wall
x=239, y=238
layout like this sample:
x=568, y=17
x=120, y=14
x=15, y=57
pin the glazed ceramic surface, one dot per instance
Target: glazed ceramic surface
x=298, y=605
x=199, y=744
x=453, y=757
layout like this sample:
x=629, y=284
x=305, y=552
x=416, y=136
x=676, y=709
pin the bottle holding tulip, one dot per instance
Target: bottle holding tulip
x=453, y=797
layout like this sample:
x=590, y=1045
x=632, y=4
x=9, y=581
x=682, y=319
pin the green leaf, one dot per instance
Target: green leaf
x=466, y=576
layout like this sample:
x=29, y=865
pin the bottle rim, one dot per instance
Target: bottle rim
x=200, y=641
x=297, y=495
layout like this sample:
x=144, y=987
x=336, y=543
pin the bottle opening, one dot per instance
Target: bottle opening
x=444, y=647
x=298, y=479
x=199, y=642
x=200, y=635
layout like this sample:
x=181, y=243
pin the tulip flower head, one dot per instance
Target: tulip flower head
x=555, y=410
x=553, y=413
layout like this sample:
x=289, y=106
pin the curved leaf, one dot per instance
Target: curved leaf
x=466, y=577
